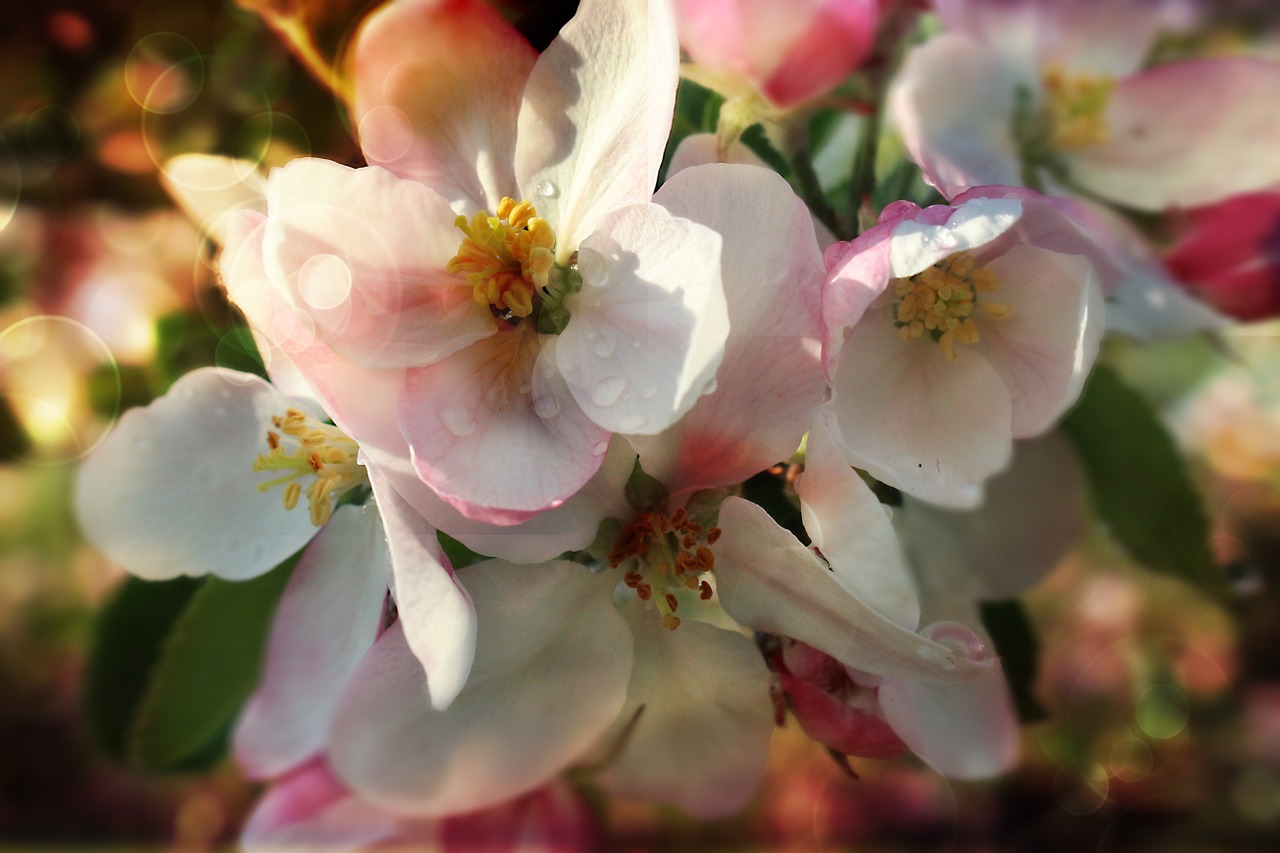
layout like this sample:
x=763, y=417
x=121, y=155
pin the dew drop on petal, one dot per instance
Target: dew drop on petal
x=594, y=270
x=591, y=336
x=648, y=391
x=605, y=347
x=710, y=387
x=458, y=420
x=546, y=189
x=609, y=391
x=547, y=407
x=635, y=343
x=631, y=423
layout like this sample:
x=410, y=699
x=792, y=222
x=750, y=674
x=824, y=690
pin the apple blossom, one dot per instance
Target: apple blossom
x=953, y=330
x=1049, y=93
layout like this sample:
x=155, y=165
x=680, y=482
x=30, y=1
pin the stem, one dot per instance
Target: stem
x=793, y=133
x=862, y=183
x=298, y=37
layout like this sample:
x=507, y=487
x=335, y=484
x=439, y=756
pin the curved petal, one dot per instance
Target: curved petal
x=435, y=612
x=208, y=187
x=838, y=37
x=770, y=380
x=554, y=819
x=483, y=438
x=1186, y=134
x=953, y=102
x=649, y=325
x=851, y=528
x=932, y=427
x=437, y=93
x=701, y=736
x=364, y=253
x=967, y=730
x=1044, y=349
x=309, y=809
x=572, y=526
x=553, y=658
x=327, y=619
x=1031, y=516
x=204, y=435
x=768, y=581
x=596, y=115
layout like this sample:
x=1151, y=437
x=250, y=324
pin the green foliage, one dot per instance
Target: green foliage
x=1019, y=651
x=644, y=492
x=127, y=640
x=236, y=350
x=697, y=111
x=1139, y=482
x=209, y=665
x=459, y=555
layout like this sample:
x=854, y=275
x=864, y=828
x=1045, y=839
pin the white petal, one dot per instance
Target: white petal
x=768, y=581
x=209, y=187
x=596, y=115
x=172, y=490
x=327, y=619
x=922, y=241
x=846, y=521
x=649, y=325
x=770, y=381
x=553, y=658
x=705, y=717
x=931, y=427
x=436, y=614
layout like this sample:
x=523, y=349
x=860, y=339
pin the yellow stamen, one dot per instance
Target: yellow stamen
x=314, y=449
x=506, y=257
x=1076, y=105
x=940, y=300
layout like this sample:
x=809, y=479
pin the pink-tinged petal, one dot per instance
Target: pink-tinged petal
x=1032, y=514
x=363, y=253
x=649, y=325
x=1229, y=255
x=705, y=717
x=953, y=102
x=309, y=809
x=1186, y=134
x=494, y=434
x=554, y=819
x=839, y=36
x=207, y=188
x=908, y=415
x=596, y=115
x=1109, y=37
x=743, y=38
x=967, y=730
x=553, y=658
x=1045, y=347
x=438, y=88
x=699, y=149
x=327, y=619
x=940, y=231
x=840, y=715
x=770, y=380
x=201, y=437
x=851, y=528
x=435, y=612
x=768, y=581
x=859, y=272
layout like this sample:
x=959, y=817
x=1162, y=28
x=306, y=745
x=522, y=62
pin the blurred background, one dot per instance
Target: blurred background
x=1159, y=723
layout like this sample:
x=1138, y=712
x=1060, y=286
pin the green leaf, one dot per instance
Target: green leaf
x=236, y=350
x=126, y=646
x=208, y=667
x=460, y=556
x=1139, y=482
x=1019, y=650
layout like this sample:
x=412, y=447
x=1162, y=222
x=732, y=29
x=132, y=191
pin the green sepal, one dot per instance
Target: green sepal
x=644, y=492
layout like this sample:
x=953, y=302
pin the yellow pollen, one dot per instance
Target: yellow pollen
x=505, y=257
x=309, y=448
x=665, y=554
x=1076, y=105
x=939, y=301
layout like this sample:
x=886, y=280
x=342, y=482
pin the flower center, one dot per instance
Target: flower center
x=941, y=299
x=506, y=258
x=305, y=447
x=1076, y=106
x=664, y=554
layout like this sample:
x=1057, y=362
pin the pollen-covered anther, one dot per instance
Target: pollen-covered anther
x=940, y=300
x=309, y=448
x=506, y=257
x=1076, y=106
x=665, y=554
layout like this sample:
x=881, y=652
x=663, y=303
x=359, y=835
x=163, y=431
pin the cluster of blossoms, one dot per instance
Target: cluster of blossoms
x=497, y=330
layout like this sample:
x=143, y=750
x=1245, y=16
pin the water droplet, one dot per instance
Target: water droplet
x=648, y=391
x=459, y=421
x=609, y=390
x=599, y=447
x=548, y=370
x=591, y=336
x=710, y=387
x=547, y=407
x=594, y=270
x=546, y=189
x=948, y=663
x=635, y=343
x=605, y=347
x=631, y=423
